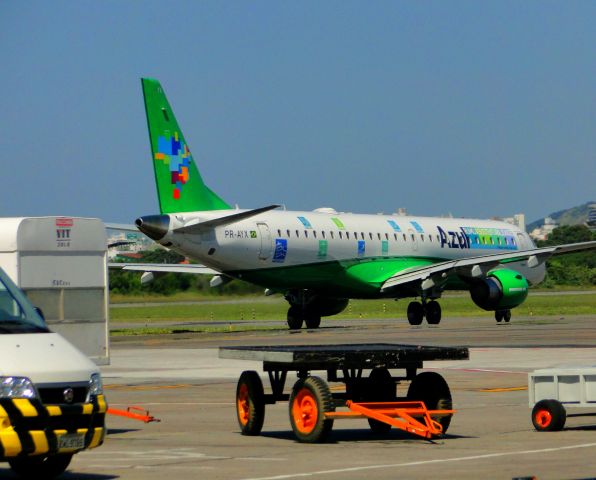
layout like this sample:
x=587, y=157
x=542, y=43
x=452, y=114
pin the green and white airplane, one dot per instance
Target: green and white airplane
x=320, y=259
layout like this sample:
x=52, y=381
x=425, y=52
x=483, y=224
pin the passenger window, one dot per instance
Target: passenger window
x=355, y=235
x=362, y=235
x=379, y=236
x=422, y=237
x=340, y=236
x=395, y=236
x=323, y=233
x=305, y=233
x=331, y=234
x=370, y=235
x=413, y=237
x=314, y=233
x=288, y=232
x=387, y=236
x=278, y=233
x=297, y=234
x=430, y=238
x=405, y=238
x=348, y=235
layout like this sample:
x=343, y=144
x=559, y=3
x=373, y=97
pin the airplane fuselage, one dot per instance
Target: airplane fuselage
x=347, y=254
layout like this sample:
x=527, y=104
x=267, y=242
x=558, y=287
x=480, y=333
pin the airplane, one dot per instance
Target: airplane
x=321, y=259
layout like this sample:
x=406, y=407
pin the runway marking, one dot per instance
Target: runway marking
x=422, y=462
x=176, y=403
x=145, y=387
x=504, y=389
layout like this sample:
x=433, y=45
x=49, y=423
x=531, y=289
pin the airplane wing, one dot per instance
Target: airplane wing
x=476, y=267
x=165, y=268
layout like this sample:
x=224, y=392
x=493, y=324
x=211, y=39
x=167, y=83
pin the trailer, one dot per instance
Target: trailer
x=550, y=390
x=425, y=411
x=61, y=264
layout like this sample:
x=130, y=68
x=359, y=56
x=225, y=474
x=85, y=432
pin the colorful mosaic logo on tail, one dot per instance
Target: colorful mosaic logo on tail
x=176, y=155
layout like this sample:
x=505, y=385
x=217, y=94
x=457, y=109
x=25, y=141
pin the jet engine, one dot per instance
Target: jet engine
x=500, y=290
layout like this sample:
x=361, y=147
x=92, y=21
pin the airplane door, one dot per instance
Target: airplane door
x=412, y=238
x=266, y=243
x=521, y=240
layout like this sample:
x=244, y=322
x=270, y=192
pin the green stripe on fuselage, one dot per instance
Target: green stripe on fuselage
x=354, y=278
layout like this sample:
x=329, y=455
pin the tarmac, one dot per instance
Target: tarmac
x=181, y=381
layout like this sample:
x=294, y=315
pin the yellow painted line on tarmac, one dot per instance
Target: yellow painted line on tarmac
x=504, y=389
x=146, y=387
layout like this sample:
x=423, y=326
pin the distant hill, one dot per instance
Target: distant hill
x=571, y=216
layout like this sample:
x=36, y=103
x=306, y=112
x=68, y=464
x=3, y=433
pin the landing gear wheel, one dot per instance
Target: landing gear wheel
x=507, y=316
x=250, y=403
x=40, y=467
x=312, y=320
x=415, y=313
x=432, y=389
x=433, y=312
x=499, y=315
x=381, y=389
x=295, y=318
x=309, y=401
x=549, y=416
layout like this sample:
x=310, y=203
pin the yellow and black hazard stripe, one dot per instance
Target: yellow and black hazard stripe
x=29, y=428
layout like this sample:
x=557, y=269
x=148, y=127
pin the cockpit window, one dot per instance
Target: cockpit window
x=17, y=315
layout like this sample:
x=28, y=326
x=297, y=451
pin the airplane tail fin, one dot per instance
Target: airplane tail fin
x=180, y=187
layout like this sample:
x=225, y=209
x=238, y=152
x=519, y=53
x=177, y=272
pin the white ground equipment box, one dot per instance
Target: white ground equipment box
x=553, y=389
x=61, y=264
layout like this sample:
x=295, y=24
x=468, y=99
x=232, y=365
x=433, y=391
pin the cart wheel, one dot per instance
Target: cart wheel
x=432, y=389
x=381, y=389
x=250, y=403
x=309, y=401
x=549, y=416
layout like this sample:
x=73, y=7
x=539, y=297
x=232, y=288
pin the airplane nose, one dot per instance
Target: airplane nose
x=154, y=226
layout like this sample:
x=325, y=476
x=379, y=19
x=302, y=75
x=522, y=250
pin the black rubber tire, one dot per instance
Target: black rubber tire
x=295, y=318
x=312, y=320
x=250, y=403
x=307, y=393
x=40, y=467
x=415, y=313
x=432, y=389
x=507, y=315
x=499, y=315
x=433, y=312
x=549, y=416
x=381, y=388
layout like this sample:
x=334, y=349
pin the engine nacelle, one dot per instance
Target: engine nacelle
x=500, y=290
x=326, y=306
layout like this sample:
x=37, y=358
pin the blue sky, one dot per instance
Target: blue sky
x=471, y=108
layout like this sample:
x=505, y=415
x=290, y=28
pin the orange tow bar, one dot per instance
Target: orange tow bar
x=135, y=413
x=411, y=416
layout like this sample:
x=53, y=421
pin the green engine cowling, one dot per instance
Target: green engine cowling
x=500, y=290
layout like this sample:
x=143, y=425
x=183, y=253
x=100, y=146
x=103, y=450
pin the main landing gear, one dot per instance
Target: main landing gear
x=417, y=311
x=297, y=315
x=503, y=315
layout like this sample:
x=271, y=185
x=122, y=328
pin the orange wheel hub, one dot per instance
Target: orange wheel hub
x=305, y=411
x=243, y=405
x=543, y=418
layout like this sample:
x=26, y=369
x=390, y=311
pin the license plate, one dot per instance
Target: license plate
x=71, y=441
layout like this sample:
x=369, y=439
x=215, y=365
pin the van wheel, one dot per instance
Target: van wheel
x=40, y=467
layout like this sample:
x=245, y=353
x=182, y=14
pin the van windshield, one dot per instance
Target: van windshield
x=17, y=315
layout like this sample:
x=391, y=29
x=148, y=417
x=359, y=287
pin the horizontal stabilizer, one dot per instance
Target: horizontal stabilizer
x=218, y=222
x=165, y=268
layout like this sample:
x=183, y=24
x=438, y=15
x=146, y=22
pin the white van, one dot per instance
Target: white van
x=51, y=395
